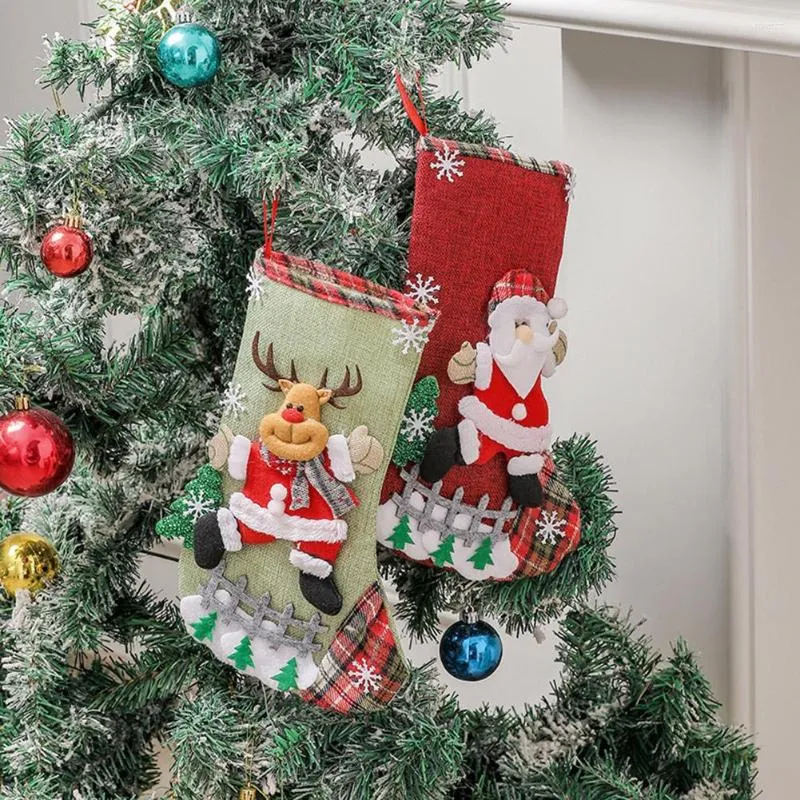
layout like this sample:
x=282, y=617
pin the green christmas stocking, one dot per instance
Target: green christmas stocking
x=279, y=576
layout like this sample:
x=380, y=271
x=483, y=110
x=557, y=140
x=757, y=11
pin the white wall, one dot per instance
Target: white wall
x=641, y=122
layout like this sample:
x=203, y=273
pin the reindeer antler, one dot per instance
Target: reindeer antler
x=268, y=367
x=344, y=389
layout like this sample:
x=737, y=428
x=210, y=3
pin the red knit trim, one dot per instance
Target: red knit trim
x=343, y=288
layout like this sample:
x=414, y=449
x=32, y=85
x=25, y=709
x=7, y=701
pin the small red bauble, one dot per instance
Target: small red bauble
x=36, y=451
x=67, y=249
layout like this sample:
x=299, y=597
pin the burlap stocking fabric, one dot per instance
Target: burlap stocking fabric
x=472, y=487
x=281, y=580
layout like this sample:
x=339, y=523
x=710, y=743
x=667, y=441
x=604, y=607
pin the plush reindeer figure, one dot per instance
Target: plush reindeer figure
x=294, y=477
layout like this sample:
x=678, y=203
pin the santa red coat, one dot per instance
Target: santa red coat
x=262, y=511
x=497, y=419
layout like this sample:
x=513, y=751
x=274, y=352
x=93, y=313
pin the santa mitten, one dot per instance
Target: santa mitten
x=281, y=580
x=472, y=483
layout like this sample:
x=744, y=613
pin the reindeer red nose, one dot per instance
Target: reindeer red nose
x=292, y=415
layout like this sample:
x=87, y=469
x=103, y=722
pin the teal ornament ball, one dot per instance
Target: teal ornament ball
x=189, y=55
x=471, y=649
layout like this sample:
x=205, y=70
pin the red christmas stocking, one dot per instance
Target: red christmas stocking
x=472, y=486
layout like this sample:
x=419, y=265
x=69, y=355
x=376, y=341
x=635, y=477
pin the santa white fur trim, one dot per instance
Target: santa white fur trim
x=310, y=564
x=517, y=306
x=483, y=365
x=505, y=431
x=286, y=526
x=468, y=441
x=229, y=530
x=339, y=454
x=238, y=456
x=549, y=368
x=557, y=307
x=525, y=465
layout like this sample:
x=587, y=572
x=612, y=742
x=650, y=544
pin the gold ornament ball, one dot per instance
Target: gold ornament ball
x=27, y=561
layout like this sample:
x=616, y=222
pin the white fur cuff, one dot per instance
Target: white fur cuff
x=238, y=457
x=468, y=441
x=339, y=454
x=529, y=464
x=310, y=564
x=285, y=526
x=229, y=529
x=483, y=366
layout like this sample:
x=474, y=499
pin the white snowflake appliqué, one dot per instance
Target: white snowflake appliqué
x=411, y=334
x=255, y=284
x=364, y=676
x=423, y=290
x=448, y=164
x=569, y=184
x=550, y=527
x=232, y=401
x=417, y=424
x=198, y=505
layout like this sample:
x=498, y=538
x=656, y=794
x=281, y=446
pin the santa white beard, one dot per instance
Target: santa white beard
x=521, y=362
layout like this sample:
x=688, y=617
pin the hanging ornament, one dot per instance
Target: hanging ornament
x=67, y=249
x=470, y=649
x=248, y=792
x=188, y=53
x=36, y=450
x=27, y=561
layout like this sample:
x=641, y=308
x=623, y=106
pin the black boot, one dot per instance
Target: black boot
x=525, y=490
x=322, y=593
x=208, y=546
x=442, y=453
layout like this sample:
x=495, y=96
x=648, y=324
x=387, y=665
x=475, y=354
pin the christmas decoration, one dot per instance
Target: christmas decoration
x=28, y=562
x=189, y=53
x=36, y=450
x=98, y=668
x=295, y=607
x=202, y=496
x=470, y=649
x=67, y=249
x=472, y=474
x=417, y=425
x=507, y=413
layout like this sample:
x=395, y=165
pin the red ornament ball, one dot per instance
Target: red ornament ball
x=67, y=251
x=36, y=451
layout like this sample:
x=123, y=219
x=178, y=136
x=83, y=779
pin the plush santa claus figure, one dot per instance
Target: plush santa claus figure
x=507, y=412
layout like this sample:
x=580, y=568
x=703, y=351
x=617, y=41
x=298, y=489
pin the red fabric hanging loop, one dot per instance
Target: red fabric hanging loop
x=417, y=117
x=269, y=225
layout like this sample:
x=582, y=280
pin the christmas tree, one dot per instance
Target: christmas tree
x=287, y=677
x=170, y=179
x=401, y=535
x=242, y=656
x=482, y=557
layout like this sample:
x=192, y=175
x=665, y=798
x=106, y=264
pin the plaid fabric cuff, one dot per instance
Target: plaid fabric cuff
x=343, y=288
x=434, y=144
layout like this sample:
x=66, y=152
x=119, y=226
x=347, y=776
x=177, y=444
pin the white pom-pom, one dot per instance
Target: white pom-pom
x=557, y=308
x=278, y=491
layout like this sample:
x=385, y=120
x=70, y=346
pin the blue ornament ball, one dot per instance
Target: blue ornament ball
x=470, y=649
x=189, y=55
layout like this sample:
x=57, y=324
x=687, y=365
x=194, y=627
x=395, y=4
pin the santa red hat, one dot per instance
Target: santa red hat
x=521, y=284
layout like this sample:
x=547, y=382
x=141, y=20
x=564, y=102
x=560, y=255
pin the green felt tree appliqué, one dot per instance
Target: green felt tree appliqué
x=401, y=535
x=242, y=656
x=202, y=495
x=204, y=627
x=417, y=425
x=444, y=552
x=287, y=677
x=482, y=557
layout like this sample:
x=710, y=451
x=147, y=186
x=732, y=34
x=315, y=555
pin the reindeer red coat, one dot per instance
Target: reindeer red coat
x=294, y=484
